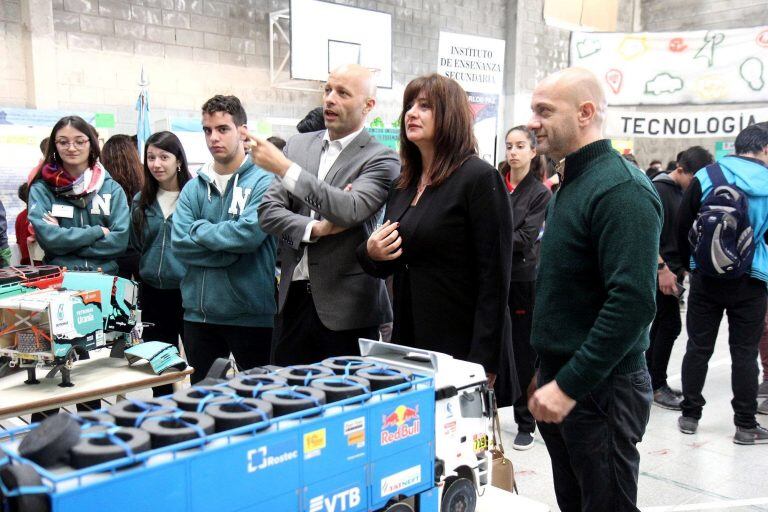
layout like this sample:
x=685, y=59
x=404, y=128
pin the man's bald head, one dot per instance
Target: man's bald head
x=361, y=76
x=568, y=111
x=348, y=97
x=578, y=85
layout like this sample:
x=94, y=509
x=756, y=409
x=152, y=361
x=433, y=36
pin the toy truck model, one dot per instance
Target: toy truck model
x=48, y=317
x=414, y=444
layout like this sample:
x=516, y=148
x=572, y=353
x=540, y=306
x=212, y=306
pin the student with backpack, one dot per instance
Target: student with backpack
x=722, y=223
x=666, y=325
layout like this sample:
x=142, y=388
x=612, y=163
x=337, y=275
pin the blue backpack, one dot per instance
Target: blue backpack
x=721, y=238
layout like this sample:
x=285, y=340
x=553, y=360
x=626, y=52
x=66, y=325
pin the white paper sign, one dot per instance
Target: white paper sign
x=662, y=68
x=678, y=125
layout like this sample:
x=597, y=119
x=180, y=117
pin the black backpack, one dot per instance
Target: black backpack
x=721, y=238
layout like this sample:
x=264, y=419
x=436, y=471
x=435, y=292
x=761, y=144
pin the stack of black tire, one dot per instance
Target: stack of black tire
x=131, y=427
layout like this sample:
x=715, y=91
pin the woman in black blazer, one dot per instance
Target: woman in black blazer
x=447, y=236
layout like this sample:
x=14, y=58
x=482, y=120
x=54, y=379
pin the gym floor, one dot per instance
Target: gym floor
x=678, y=472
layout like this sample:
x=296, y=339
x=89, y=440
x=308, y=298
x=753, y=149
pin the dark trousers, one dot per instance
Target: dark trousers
x=595, y=461
x=744, y=301
x=764, y=349
x=300, y=336
x=162, y=309
x=204, y=343
x=665, y=329
x=521, y=301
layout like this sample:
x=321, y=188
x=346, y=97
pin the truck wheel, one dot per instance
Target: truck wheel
x=459, y=496
x=399, y=507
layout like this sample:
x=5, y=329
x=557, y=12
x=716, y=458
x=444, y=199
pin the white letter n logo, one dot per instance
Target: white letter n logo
x=239, y=198
x=100, y=205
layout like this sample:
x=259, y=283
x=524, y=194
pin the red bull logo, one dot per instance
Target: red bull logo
x=402, y=423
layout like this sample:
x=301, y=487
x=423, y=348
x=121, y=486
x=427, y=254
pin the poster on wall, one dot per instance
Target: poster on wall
x=663, y=68
x=681, y=125
x=477, y=64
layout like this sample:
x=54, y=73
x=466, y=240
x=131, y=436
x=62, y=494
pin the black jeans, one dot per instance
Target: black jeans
x=595, y=461
x=744, y=301
x=204, y=343
x=301, y=338
x=665, y=329
x=521, y=302
x=162, y=309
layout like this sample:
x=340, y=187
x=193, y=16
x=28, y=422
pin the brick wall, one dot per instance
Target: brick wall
x=12, y=73
x=192, y=49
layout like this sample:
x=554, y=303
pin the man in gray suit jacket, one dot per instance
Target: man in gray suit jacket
x=331, y=186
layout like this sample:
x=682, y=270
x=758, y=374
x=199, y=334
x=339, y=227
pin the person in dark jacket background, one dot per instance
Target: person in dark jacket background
x=522, y=173
x=666, y=325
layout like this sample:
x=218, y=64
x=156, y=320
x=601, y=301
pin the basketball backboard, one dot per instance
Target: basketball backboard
x=325, y=36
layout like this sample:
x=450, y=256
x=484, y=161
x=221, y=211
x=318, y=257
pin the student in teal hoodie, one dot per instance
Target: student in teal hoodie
x=228, y=289
x=743, y=299
x=165, y=174
x=79, y=214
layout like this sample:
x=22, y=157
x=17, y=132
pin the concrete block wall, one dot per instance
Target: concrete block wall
x=192, y=49
x=13, y=83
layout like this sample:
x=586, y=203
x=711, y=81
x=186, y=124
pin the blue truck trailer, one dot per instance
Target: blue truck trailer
x=420, y=445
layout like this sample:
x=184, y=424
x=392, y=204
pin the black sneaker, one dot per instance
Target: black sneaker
x=762, y=391
x=763, y=407
x=687, y=425
x=523, y=441
x=666, y=398
x=756, y=435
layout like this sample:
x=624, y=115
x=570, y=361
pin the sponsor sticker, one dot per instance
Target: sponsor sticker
x=354, y=430
x=402, y=423
x=314, y=442
x=401, y=480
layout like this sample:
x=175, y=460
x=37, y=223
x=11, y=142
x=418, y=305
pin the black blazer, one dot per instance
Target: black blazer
x=452, y=281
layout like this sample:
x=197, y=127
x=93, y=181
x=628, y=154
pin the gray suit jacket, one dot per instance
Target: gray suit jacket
x=345, y=297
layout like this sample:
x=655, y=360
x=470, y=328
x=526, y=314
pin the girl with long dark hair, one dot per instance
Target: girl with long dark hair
x=121, y=156
x=448, y=232
x=165, y=173
x=79, y=213
x=523, y=177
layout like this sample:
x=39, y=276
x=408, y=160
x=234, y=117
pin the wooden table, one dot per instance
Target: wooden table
x=98, y=377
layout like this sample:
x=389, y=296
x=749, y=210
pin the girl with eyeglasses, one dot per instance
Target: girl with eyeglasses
x=79, y=213
x=165, y=174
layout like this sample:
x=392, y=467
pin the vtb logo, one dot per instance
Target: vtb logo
x=341, y=501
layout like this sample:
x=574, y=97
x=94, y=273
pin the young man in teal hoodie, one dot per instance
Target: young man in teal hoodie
x=742, y=298
x=228, y=290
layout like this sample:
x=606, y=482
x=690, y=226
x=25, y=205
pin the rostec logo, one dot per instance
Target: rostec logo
x=339, y=502
x=259, y=458
x=404, y=422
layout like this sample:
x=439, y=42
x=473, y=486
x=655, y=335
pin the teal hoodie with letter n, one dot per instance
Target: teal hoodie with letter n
x=79, y=240
x=230, y=276
x=159, y=265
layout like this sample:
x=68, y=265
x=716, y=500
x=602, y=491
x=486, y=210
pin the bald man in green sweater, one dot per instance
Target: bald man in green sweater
x=595, y=298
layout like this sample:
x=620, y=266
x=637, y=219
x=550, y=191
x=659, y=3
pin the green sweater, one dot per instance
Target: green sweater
x=596, y=287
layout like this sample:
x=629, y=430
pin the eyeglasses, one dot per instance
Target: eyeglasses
x=77, y=143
